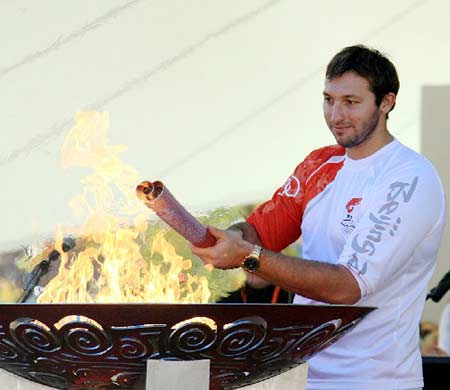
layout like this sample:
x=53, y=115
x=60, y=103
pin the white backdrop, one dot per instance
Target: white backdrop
x=220, y=99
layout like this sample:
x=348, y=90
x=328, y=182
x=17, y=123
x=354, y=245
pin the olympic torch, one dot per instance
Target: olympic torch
x=158, y=198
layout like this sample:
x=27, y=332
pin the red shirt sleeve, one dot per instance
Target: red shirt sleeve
x=278, y=221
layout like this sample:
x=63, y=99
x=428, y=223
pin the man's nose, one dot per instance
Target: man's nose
x=337, y=113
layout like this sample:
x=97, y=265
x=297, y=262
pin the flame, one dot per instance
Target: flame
x=107, y=264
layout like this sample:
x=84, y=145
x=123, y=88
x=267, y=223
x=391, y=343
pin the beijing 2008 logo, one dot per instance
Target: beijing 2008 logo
x=347, y=223
x=291, y=188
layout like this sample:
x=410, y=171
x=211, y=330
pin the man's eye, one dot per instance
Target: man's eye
x=352, y=101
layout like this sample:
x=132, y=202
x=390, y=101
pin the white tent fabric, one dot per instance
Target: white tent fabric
x=219, y=99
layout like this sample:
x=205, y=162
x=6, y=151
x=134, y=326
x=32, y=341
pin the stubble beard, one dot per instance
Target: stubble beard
x=367, y=131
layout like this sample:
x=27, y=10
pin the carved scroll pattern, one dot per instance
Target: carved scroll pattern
x=79, y=353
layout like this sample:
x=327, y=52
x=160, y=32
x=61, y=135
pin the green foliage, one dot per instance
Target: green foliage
x=221, y=282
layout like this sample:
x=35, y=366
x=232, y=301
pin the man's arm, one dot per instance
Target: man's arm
x=316, y=280
x=250, y=234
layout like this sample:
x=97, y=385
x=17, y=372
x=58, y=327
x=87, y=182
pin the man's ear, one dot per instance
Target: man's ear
x=387, y=103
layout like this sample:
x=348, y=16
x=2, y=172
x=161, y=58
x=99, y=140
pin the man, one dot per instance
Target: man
x=371, y=214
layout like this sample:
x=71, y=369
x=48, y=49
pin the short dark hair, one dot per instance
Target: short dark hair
x=376, y=68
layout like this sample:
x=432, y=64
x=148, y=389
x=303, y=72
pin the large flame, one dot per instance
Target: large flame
x=107, y=264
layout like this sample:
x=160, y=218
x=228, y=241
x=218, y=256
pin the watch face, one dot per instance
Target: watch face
x=251, y=264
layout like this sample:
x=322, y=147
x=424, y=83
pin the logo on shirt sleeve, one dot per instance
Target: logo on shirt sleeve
x=291, y=188
x=347, y=223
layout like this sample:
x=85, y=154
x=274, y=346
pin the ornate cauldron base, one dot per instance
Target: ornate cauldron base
x=106, y=346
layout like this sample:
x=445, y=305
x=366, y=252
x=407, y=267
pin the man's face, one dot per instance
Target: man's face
x=349, y=109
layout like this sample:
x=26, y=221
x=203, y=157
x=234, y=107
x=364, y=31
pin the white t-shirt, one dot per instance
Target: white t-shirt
x=382, y=217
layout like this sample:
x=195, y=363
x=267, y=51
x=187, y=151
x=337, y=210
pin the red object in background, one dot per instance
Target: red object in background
x=157, y=197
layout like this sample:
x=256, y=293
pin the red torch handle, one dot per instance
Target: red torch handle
x=157, y=197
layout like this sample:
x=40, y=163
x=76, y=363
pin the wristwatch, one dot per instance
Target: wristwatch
x=251, y=262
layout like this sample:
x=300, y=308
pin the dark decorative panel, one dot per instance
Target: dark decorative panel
x=105, y=346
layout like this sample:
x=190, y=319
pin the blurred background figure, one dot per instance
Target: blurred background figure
x=429, y=340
